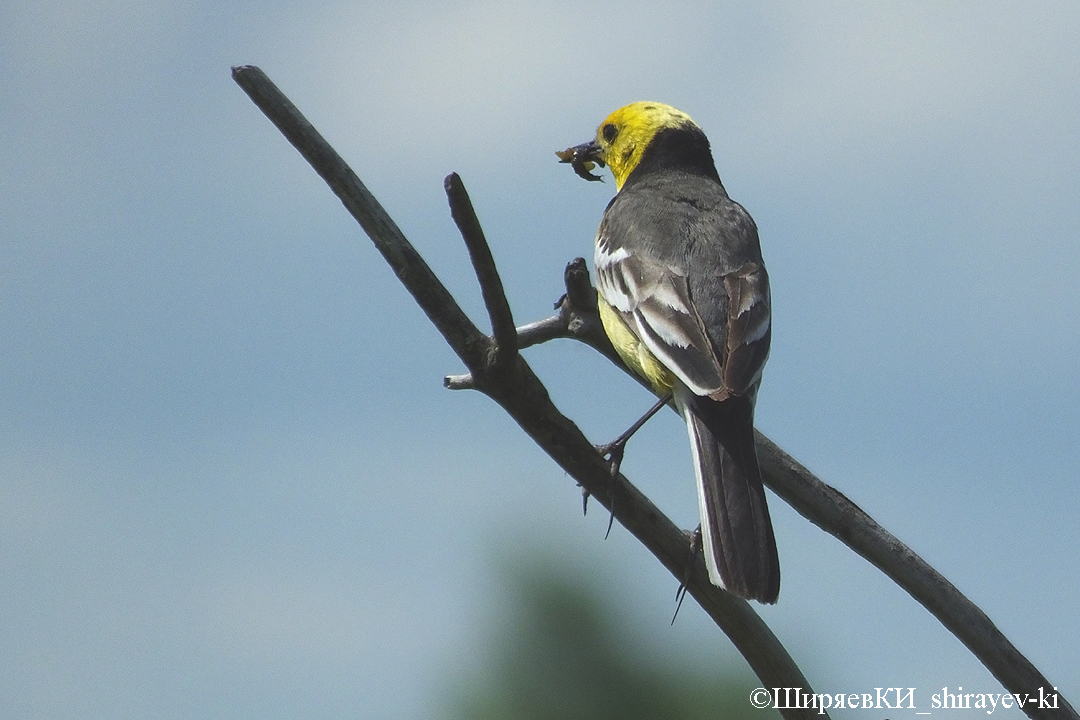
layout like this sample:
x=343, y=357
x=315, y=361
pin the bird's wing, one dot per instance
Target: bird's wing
x=655, y=300
x=749, y=328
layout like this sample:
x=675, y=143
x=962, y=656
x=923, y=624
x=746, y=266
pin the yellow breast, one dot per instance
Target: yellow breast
x=634, y=352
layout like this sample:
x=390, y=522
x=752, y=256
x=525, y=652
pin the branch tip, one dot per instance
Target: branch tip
x=459, y=382
x=491, y=287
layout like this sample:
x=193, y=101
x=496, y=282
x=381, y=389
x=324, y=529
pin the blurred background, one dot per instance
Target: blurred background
x=232, y=484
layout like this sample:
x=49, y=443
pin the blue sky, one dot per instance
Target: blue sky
x=231, y=483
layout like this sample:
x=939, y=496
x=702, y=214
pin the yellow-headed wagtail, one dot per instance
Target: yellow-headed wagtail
x=684, y=298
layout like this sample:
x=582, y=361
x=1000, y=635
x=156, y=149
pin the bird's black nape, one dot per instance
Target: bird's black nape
x=684, y=148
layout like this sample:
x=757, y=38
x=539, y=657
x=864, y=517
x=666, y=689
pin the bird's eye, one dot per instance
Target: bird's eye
x=609, y=132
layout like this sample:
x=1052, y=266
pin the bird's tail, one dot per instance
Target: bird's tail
x=739, y=546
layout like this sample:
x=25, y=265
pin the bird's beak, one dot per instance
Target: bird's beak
x=583, y=158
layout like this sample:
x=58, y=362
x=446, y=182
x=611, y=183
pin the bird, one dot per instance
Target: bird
x=684, y=298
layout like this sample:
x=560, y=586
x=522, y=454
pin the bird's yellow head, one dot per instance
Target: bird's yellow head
x=621, y=140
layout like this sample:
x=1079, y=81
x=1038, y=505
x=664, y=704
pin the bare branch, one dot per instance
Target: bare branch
x=459, y=382
x=578, y=318
x=832, y=511
x=430, y=294
x=491, y=287
x=541, y=331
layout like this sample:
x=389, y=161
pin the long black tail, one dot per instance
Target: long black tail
x=740, y=549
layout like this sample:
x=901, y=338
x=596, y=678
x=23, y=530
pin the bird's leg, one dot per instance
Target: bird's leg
x=614, y=450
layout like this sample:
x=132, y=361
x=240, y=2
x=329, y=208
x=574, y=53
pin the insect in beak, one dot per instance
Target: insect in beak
x=583, y=158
